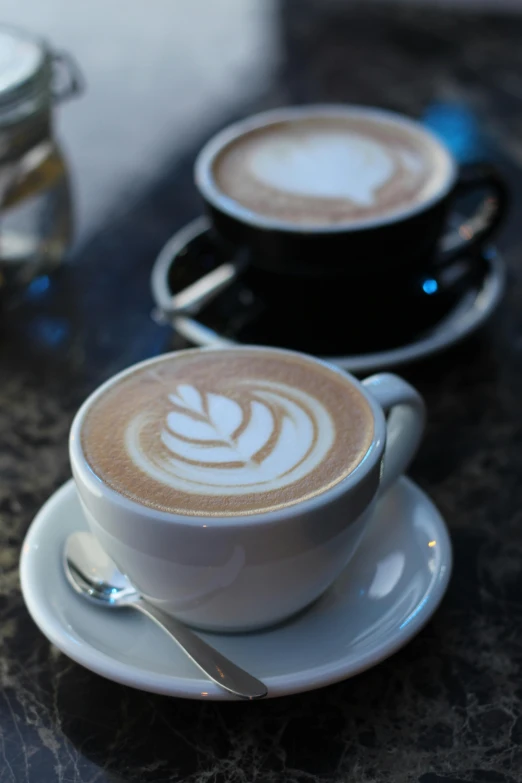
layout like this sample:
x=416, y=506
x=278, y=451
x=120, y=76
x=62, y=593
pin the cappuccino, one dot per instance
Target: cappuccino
x=328, y=169
x=226, y=432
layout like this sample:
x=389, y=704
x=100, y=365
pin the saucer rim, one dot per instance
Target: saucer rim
x=452, y=328
x=173, y=685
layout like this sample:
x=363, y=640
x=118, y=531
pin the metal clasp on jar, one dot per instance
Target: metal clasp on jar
x=67, y=78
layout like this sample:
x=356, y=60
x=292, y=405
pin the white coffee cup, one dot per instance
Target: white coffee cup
x=240, y=573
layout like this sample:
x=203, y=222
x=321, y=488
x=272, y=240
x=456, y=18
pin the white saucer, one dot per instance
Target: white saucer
x=388, y=592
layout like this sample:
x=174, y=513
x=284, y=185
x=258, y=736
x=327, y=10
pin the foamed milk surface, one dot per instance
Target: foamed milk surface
x=211, y=444
x=227, y=432
x=329, y=165
x=326, y=170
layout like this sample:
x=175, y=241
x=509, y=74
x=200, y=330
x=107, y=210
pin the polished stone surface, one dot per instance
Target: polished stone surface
x=445, y=709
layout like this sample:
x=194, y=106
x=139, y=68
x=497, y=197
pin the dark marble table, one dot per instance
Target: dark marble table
x=448, y=706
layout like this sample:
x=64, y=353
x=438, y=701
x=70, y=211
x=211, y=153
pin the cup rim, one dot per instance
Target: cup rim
x=222, y=203
x=85, y=475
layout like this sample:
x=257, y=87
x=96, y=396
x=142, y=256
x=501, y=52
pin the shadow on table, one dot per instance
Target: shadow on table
x=141, y=736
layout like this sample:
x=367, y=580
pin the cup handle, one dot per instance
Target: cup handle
x=405, y=424
x=476, y=229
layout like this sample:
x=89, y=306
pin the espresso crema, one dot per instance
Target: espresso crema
x=329, y=170
x=226, y=432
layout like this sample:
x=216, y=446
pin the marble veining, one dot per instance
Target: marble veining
x=447, y=708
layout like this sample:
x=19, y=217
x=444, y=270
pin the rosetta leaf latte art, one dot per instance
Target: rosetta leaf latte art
x=263, y=437
x=216, y=420
x=220, y=418
x=187, y=397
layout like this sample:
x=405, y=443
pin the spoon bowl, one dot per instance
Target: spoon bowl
x=92, y=574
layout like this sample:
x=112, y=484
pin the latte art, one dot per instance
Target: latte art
x=326, y=168
x=273, y=436
x=331, y=165
x=226, y=432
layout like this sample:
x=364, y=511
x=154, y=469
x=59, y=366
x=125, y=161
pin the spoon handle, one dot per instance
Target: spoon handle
x=217, y=668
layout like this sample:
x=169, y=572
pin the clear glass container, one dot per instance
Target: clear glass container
x=36, y=220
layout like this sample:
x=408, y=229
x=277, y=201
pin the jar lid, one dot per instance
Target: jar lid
x=25, y=69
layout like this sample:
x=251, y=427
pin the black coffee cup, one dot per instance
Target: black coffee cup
x=395, y=242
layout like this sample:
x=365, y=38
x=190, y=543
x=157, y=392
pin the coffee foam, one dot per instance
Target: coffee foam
x=327, y=165
x=226, y=432
x=327, y=170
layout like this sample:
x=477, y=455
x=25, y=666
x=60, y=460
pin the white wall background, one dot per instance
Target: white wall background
x=151, y=81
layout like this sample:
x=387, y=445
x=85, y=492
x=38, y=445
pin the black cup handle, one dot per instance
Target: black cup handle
x=480, y=226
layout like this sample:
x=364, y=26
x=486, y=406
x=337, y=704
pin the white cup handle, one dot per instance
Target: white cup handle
x=405, y=424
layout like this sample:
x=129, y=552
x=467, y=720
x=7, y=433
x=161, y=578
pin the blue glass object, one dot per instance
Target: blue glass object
x=430, y=286
x=38, y=287
x=458, y=128
x=49, y=331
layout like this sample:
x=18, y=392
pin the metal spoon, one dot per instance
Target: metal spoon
x=94, y=575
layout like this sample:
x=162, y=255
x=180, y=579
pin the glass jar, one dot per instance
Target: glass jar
x=36, y=220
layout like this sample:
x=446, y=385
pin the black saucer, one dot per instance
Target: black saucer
x=323, y=317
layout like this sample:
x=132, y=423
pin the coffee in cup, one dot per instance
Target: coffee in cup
x=233, y=485
x=320, y=171
x=342, y=191
x=227, y=433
